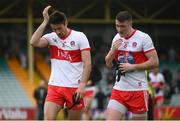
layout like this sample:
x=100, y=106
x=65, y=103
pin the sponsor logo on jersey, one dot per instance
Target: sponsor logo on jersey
x=134, y=44
x=55, y=40
x=139, y=84
x=72, y=43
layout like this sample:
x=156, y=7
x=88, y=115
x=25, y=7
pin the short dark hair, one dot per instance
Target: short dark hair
x=123, y=16
x=57, y=17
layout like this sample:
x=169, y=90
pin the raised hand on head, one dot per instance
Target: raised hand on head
x=45, y=14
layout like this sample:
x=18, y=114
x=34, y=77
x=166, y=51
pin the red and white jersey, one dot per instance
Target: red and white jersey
x=65, y=54
x=157, y=81
x=132, y=50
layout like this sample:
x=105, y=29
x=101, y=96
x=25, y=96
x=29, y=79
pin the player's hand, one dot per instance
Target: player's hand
x=45, y=14
x=126, y=67
x=81, y=90
x=89, y=83
x=117, y=44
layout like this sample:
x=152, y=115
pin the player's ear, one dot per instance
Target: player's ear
x=130, y=22
x=66, y=22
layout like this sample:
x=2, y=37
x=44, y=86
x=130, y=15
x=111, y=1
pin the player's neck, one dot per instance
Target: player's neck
x=67, y=32
x=129, y=33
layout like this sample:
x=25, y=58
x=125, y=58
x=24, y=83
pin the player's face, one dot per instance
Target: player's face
x=59, y=29
x=155, y=71
x=123, y=27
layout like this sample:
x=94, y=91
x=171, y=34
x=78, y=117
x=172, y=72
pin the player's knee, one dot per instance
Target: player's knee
x=48, y=116
x=142, y=116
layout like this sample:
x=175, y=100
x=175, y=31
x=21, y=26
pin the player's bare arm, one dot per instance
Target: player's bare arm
x=151, y=63
x=36, y=39
x=86, y=59
x=110, y=56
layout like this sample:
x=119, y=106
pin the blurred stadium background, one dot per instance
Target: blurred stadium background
x=21, y=66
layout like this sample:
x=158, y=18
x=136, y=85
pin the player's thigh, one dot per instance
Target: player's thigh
x=113, y=114
x=51, y=110
x=75, y=114
x=115, y=110
x=88, y=102
x=89, y=95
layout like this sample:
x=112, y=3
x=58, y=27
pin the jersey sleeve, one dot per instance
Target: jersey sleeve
x=114, y=39
x=48, y=37
x=147, y=43
x=83, y=42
